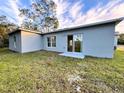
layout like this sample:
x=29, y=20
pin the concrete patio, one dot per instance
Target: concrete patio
x=73, y=54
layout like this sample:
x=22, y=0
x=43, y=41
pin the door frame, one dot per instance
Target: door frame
x=73, y=46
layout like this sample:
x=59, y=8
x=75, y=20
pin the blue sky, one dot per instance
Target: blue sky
x=70, y=12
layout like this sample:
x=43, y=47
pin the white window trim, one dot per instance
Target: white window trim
x=51, y=42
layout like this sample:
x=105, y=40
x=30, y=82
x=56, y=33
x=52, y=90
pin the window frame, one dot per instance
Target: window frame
x=51, y=41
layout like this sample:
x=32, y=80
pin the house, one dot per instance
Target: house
x=95, y=39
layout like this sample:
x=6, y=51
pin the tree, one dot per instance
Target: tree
x=5, y=27
x=41, y=15
x=3, y=20
x=121, y=39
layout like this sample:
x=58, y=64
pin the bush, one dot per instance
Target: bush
x=4, y=43
x=3, y=36
x=121, y=39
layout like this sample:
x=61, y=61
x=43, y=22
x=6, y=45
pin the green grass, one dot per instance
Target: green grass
x=46, y=72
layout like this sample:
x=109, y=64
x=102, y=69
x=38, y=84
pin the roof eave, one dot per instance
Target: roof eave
x=117, y=20
x=26, y=30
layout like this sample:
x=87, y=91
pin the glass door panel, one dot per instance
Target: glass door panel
x=70, y=43
x=78, y=43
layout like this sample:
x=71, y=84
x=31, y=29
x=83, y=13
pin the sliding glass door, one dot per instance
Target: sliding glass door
x=75, y=43
x=78, y=43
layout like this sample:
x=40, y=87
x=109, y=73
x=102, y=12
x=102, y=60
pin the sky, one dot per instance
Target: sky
x=71, y=12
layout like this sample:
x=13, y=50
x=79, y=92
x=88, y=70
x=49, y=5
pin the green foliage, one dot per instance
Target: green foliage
x=5, y=27
x=121, y=39
x=41, y=16
x=46, y=72
x=3, y=36
x=56, y=24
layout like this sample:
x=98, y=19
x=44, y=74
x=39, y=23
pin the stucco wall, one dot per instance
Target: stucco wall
x=98, y=41
x=18, y=42
x=31, y=42
x=61, y=45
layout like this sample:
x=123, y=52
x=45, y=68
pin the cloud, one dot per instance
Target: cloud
x=62, y=6
x=76, y=16
x=75, y=10
x=14, y=4
x=11, y=10
x=62, y=9
x=70, y=13
x=111, y=10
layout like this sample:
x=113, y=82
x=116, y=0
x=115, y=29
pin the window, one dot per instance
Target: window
x=51, y=41
x=14, y=39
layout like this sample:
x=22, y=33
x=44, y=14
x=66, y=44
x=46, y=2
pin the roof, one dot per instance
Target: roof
x=77, y=27
x=25, y=30
x=88, y=25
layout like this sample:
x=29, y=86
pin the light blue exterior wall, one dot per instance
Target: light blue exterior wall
x=30, y=42
x=98, y=41
x=17, y=43
x=61, y=45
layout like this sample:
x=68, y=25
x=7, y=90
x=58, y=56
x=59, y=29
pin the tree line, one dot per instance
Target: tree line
x=40, y=16
x=121, y=39
x=5, y=27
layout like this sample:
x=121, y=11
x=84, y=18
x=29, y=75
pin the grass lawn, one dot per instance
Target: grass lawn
x=46, y=72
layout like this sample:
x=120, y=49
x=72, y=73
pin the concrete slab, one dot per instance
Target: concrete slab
x=73, y=54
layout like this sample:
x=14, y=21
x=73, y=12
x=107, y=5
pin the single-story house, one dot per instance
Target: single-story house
x=95, y=39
